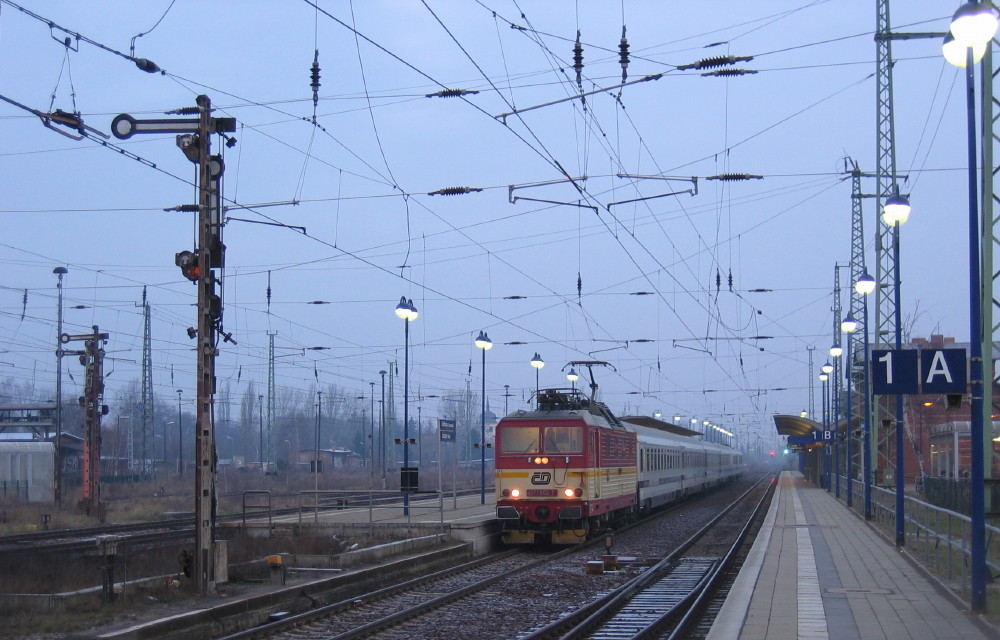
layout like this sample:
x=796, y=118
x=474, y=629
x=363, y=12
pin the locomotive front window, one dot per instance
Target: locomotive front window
x=519, y=440
x=563, y=440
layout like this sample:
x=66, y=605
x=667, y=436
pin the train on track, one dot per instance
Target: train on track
x=570, y=469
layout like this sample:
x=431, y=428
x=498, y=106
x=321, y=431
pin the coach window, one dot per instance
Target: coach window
x=563, y=440
x=519, y=440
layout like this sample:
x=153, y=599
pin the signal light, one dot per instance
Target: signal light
x=189, y=264
x=772, y=454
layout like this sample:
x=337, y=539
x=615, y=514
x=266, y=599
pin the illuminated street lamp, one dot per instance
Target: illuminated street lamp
x=849, y=325
x=573, y=376
x=483, y=342
x=896, y=211
x=823, y=377
x=406, y=312
x=865, y=286
x=537, y=363
x=973, y=27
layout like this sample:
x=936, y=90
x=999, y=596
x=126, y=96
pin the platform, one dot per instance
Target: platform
x=463, y=518
x=818, y=571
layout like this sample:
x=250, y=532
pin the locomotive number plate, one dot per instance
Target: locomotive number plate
x=541, y=493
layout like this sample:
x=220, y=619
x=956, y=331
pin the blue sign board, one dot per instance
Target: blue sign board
x=895, y=372
x=943, y=371
x=813, y=436
x=912, y=371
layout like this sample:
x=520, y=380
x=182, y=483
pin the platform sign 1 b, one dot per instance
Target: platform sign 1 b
x=913, y=371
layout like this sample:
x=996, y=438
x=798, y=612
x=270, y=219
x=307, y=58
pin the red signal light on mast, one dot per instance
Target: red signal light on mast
x=189, y=264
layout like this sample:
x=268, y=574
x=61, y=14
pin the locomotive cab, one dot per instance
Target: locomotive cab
x=563, y=470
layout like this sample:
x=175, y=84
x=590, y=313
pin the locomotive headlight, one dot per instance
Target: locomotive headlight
x=515, y=493
x=569, y=493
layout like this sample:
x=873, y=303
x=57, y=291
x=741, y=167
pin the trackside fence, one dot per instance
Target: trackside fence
x=939, y=539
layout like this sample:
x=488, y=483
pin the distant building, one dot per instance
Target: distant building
x=329, y=459
x=27, y=471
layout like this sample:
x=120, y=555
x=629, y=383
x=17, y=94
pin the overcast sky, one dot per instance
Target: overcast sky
x=739, y=276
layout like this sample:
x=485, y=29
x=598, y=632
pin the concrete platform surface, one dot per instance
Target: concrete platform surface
x=818, y=571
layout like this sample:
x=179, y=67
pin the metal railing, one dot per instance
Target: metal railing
x=937, y=538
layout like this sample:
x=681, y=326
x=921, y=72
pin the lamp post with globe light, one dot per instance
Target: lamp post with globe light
x=824, y=377
x=972, y=29
x=849, y=325
x=406, y=312
x=895, y=212
x=836, y=351
x=865, y=286
x=537, y=363
x=573, y=376
x=484, y=343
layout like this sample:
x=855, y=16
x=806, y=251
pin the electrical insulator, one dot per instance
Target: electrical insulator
x=578, y=61
x=314, y=76
x=188, y=262
x=623, y=55
x=146, y=65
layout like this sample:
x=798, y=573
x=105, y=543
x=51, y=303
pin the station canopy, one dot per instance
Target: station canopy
x=788, y=425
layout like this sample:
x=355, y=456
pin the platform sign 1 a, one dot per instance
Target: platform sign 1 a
x=913, y=371
x=943, y=371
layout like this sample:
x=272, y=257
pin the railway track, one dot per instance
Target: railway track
x=670, y=600
x=77, y=539
x=519, y=594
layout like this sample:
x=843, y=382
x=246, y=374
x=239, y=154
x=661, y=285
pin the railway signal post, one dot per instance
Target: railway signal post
x=199, y=266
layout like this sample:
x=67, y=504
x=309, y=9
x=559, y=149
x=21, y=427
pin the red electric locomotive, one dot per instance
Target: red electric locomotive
x=563, y=470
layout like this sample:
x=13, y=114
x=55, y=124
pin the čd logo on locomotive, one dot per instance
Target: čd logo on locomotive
x=541, y=477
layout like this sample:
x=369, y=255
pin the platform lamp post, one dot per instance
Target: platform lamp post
x=260, y=418
x=371, y=442
x=849, y=325
x=824, y=377
x=836, y=351
x=59, y=271
x=319, y=425
x=537, y=363
x=381, y=429
x=572, y=376
x=484, y=343
x=895, y=212
x=406, y=312
x=180, y=437
x=972, y=28
x=865, y=286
